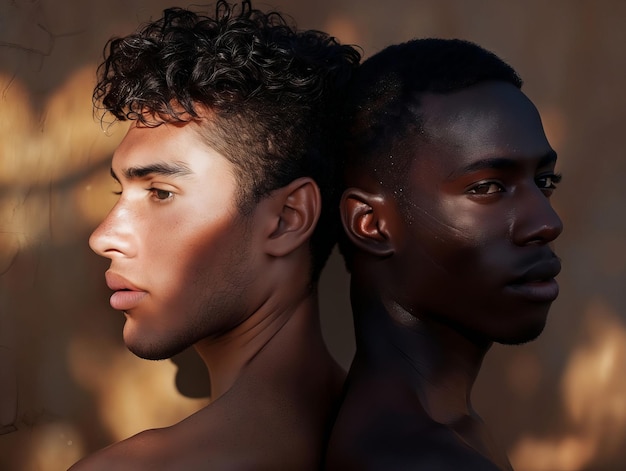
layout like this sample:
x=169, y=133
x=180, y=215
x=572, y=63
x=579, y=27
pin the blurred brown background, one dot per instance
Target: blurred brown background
x=68, y=385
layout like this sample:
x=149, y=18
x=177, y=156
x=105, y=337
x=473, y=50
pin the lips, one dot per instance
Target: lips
x=537, y=283
x=126, y=296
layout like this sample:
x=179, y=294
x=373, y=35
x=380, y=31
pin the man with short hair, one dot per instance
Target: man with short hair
x=224, y=221
x=449, y=226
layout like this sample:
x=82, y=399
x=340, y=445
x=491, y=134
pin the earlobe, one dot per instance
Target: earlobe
x=297, y=209
x=364, y=221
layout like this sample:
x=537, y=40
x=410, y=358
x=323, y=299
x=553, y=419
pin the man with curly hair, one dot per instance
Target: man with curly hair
x=449, y=226
x=225, y=219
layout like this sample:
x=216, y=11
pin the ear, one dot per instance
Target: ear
x=365, y=222
x=296, y=209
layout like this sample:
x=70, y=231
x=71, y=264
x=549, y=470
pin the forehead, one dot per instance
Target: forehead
x=492, y=119
x=181, y=143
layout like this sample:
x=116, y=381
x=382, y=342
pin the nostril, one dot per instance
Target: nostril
x=110, y=242
x=536, y=222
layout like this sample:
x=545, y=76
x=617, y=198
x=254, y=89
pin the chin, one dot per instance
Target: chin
x=148, y=353
x=522, y=336
x=148, y=349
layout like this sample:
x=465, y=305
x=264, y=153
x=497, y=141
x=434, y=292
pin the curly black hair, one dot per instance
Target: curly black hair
x=272, y=92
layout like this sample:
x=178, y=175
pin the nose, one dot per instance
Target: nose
x=536, y=221
x=114, y=236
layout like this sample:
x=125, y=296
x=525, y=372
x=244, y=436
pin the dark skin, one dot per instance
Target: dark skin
x=449, y=260
x=188, y=268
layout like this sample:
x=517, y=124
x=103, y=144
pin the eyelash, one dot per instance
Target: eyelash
x=554, y=179
x=485, y=184
x=153, y=193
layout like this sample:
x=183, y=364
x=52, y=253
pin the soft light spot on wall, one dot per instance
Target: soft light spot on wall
x=594, y=386
x=131, y=394
x=554, y=125
x=563, y=454
x=594, y=396
x=17, y=128
x=344, y=29
x=23, y=221
x=54, y=446
x=95, y=197
x=45, y=163
x=73, y=137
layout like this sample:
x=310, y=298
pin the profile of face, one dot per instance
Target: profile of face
x=474, y=228
x=179, y=248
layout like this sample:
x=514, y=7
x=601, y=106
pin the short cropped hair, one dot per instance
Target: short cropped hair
x=271, y=92
x=382, y=114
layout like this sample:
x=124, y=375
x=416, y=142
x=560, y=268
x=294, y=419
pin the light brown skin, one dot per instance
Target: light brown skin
x=465, y=263
x=236, y=287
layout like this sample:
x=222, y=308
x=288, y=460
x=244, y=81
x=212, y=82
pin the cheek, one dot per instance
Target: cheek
x=446, y=228
x=454, y=239
x=193, y=253
x=471, y=226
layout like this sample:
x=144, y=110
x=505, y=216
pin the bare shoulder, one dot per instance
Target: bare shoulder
x=187, y=446
x=191, y=444
x=137, y=452
x=230, y=434
x=267, y=420
x=406, y=446
x=382, y=426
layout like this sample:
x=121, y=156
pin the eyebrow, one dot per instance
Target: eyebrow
x=175, y=169
x=503, y=163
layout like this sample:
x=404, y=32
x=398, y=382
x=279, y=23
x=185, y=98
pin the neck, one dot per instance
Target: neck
x=439, y=363
x=229, y=357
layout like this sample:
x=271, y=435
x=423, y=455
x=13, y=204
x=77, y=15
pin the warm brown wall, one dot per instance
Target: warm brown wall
x=556, y=404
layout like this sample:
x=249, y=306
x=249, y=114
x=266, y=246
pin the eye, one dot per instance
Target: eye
x=486, y=188
x=548, y=183
x=161, y=195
